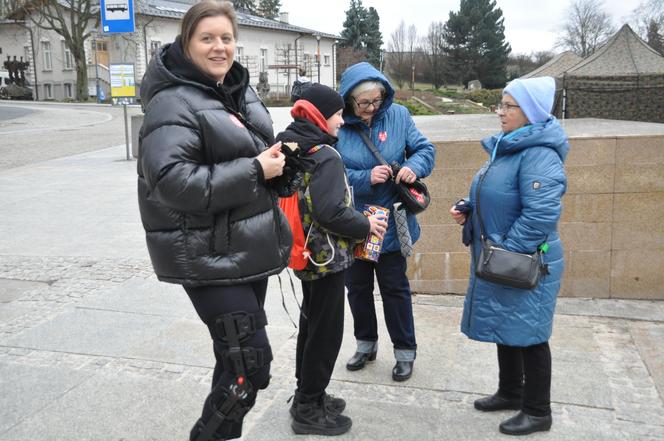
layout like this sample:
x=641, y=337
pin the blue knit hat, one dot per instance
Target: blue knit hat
x=534, y=96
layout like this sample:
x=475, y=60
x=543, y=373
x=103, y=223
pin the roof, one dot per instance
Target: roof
x=623, y=54
x=176, y=9
x=556, y=66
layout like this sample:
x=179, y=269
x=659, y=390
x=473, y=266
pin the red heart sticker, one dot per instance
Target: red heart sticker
x=382, y=136
x=236, y=121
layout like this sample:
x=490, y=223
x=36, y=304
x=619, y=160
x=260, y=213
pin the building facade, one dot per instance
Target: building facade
x=271, y=49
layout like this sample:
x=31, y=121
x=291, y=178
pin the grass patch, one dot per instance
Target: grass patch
x=415, y=108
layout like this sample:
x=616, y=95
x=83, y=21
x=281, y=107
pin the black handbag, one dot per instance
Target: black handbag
x=414, y=196
x=498, y=265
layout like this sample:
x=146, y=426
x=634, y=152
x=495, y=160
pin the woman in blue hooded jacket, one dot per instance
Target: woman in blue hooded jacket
x=369, y=109
x=522, y=185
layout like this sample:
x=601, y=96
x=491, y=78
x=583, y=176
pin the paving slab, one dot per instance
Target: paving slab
x=93, y=347
x=26, y=390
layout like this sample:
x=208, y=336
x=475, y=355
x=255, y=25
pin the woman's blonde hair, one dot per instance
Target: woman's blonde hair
x=204, y=9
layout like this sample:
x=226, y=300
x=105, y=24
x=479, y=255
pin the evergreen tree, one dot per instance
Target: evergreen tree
x=362, y=31
x=269, y=8
x=475, y=43
x=373, y=38
x=355, y=25
x=245, y=5
x=655, y=39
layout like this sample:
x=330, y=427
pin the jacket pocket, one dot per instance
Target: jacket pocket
x=221, y=236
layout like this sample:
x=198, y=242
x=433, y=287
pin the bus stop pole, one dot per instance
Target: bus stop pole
x=126, y=127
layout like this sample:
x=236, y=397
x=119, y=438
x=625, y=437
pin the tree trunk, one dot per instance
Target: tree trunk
x=81, y=74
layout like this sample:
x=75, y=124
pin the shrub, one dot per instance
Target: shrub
x=447, y=93
x=487, y=97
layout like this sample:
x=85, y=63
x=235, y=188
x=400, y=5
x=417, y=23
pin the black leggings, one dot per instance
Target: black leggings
x=213, y=301
x=526, y=372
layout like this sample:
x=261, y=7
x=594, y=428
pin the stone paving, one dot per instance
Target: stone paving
x=93, y=347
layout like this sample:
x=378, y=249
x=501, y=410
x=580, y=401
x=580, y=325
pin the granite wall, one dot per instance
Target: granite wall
x=612, y=225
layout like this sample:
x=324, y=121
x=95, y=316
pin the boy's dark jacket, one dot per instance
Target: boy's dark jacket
x=325, y=201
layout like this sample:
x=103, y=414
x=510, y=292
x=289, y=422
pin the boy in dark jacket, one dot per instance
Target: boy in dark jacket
x=332, y=226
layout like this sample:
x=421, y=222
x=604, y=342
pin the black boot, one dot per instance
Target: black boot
x=359, y=359
x=333, y=404
x=314, y=418
x=496, y=402
x=402, y=370
x=523, y=424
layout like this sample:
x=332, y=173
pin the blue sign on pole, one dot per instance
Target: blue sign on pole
x=117, y=16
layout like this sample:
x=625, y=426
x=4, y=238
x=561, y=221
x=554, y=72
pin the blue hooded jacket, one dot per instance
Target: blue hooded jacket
x=520, y=202
x=396, y=137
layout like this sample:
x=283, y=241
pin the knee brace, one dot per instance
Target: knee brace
x=234, y=394
x=230, y=333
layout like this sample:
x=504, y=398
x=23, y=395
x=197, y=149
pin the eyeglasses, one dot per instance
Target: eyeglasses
x=364, y=105
x=506, y=107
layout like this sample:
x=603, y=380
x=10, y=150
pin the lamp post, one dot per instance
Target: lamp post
x=318, y=54
x=334, y=64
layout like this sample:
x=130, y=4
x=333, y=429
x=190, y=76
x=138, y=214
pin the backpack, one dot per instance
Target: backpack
x=299, y=255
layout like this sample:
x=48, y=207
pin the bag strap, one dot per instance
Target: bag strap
x=369, y=143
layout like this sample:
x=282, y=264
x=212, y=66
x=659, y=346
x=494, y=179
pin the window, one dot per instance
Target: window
x=239, y=53
x=263, y=60
x=326, y=60
x=68, y=90
x=67, y=59
x=154, y=47
x=48, y=91
x=101, y=46
x=46, y=54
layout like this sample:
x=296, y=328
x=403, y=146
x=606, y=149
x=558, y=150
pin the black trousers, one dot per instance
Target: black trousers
x=526, y=372
x=320, y=334
x=213, y=301
x=395, y=292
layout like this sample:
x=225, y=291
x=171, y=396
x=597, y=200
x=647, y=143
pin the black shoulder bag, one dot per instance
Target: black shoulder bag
x=414, y=196
x=498, y=265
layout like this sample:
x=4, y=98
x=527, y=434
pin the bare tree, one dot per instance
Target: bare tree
x=397, y=49
x=587, y=26
x=655, y=39
x=73, y=20
x=645, y=13
x=434, y=45
x=411, y=42
x=541, y=57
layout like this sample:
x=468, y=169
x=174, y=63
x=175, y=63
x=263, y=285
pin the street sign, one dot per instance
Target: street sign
x=123, y=101
x=117, y=16
x=123, y=83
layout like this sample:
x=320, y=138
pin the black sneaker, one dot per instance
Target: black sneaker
x=314, y=418
x=333, y=404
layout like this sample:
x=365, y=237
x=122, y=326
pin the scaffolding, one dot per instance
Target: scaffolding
x=286, y=67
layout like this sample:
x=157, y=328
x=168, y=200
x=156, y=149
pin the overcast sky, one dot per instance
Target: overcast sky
x=530, y=25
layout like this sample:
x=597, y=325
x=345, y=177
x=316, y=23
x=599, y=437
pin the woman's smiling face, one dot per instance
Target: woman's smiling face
x=212, y=46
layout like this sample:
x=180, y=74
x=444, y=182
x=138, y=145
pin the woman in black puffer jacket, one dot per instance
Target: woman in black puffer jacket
x=208, y=204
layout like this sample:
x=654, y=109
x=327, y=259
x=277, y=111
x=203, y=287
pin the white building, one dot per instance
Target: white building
x=263, y=46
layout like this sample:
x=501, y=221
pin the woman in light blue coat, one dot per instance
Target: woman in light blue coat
x=522, y=184
x=369, y=109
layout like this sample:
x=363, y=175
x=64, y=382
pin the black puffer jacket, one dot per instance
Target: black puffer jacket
x=209, y=216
